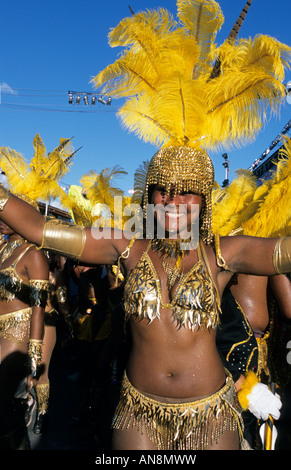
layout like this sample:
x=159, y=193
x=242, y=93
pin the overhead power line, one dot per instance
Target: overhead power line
x=54, y=110
x=59, y=100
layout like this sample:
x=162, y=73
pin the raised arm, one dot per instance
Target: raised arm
x=258, y=256
x=84, y=244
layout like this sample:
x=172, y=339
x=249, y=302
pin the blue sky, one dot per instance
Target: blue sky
x=49, y=48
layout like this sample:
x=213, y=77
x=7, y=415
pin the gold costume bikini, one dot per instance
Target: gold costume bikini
x=14, y=326
x=195, y=304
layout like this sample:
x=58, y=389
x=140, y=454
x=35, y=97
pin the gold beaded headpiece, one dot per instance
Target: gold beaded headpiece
x=184, y=169
x=188, y=95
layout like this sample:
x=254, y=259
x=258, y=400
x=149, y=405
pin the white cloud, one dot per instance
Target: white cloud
x=7, y=89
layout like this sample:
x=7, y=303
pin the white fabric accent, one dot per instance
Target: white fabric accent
x=262, y=402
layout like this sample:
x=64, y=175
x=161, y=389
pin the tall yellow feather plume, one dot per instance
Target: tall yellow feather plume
x=273, y=217
x=164, y=71
x=202, y=19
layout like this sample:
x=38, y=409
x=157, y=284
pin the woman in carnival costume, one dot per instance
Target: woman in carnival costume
x=38, y=180
x=176, y=393
x=24, y=289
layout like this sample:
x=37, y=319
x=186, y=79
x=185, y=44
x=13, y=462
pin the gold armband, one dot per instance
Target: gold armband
x=66, y=239
x=282, y=256
x=4, y=196
x=39, y=292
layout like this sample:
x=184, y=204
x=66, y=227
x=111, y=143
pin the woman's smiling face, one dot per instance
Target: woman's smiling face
x=175, y=214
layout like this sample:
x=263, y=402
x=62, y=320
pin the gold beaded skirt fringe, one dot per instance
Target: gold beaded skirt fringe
x=15, y=326
x=180, y=426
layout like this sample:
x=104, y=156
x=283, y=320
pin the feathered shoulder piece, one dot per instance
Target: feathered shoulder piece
x=273, y=218
x=261, y=211
x=234, y=204
x=183, y=89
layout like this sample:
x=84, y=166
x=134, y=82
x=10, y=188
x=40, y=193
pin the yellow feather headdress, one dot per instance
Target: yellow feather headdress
x=97, y=191
x=40, y=178
x=165, y=69
x=176, y=98
x=79, y=206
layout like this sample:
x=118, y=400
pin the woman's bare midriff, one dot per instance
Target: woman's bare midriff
x=173, y=363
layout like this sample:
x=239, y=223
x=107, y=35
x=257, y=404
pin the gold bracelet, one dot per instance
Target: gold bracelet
x=34, y=351
x=282, y=256
x=64, y=238
x=4, y=196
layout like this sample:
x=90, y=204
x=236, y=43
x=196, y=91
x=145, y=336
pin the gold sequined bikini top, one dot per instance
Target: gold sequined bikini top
x=11, y=284
x=196, y=302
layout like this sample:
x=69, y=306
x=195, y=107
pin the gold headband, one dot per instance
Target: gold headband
x=184, y=169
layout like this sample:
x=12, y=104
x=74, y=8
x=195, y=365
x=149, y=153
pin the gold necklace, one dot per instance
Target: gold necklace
x=9, y=248
x=172, y=258
x=172, y=271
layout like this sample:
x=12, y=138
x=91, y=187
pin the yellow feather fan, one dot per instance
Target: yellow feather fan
x=273, y=217
x=164, y=71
